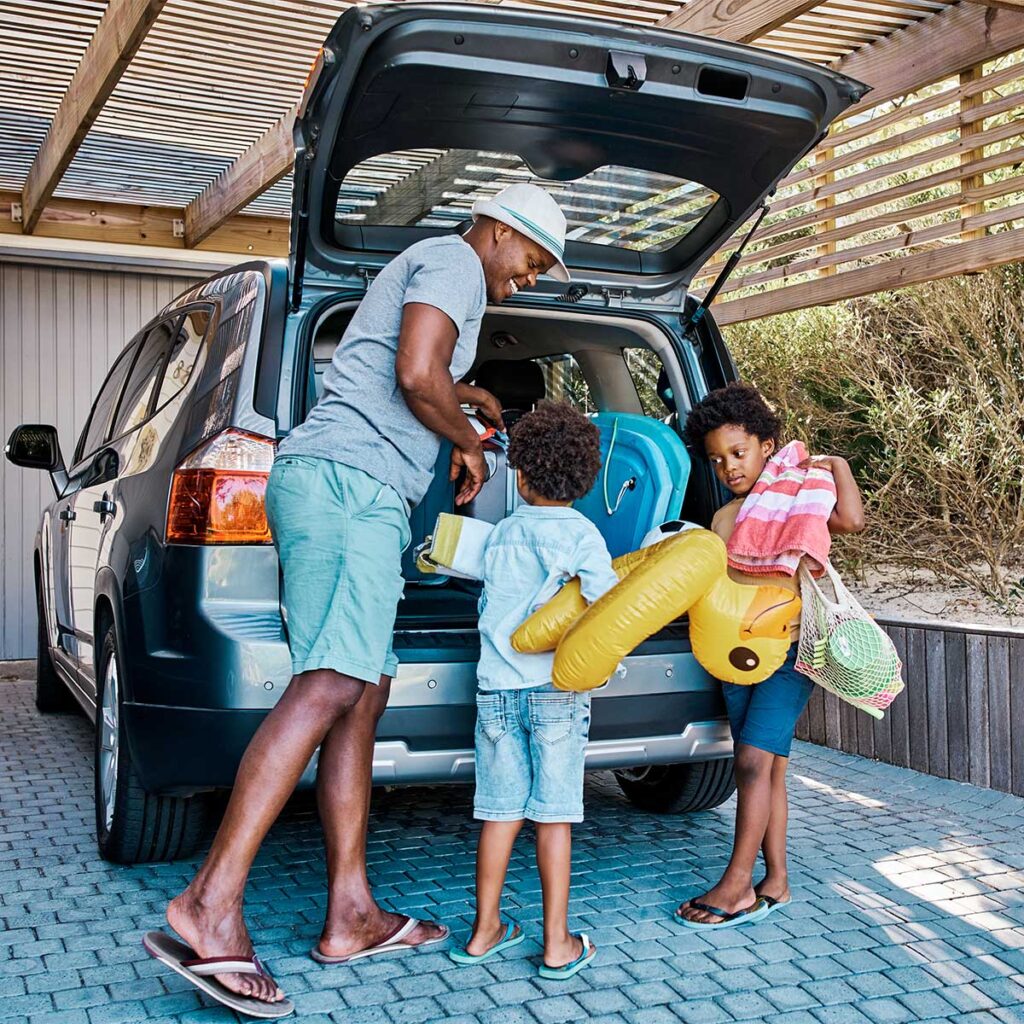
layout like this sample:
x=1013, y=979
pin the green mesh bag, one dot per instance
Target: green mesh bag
x=842, y=648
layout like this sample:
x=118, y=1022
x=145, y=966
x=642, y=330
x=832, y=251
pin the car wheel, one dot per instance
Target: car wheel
x=52, y=695
x=679, y=788
x=132, y=825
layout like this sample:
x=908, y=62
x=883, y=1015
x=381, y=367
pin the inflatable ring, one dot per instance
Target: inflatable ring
x=738, y=633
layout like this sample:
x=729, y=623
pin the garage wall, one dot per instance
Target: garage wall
x=60, y=330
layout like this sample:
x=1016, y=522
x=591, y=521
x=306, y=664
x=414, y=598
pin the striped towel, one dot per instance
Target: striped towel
x=784, y=518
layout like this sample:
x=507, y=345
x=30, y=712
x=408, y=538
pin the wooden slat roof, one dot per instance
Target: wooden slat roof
x=212, y=76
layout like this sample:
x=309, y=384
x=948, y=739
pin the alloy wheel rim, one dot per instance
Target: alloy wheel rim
x=109, y=729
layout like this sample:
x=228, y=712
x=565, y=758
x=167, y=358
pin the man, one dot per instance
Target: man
x=338, y=502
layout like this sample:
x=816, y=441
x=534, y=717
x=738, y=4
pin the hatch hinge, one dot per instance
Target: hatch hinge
x=690, y=327
x=613, y=296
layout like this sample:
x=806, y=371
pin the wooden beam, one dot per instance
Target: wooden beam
x=939, y=47
x=124, y=223
x=960, y=258
x=265, y=162
x=1007, y=5
x=739, y=21
x=970, y=126
x=118, y=36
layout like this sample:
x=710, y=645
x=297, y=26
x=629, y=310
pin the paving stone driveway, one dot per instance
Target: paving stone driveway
x=908, y=906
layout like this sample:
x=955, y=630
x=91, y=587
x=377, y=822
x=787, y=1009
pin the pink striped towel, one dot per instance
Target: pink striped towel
x=784, y=517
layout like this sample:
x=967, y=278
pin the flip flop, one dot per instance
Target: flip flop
x=755, y=912
x=772, y=903
x=391, y=944
x=513, y=936
x=568, y=970
x=199, y=970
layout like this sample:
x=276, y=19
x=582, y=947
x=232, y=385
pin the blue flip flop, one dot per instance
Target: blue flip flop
x=568, y=970
x=758, y=910
x=772, y=903
x=513, y=936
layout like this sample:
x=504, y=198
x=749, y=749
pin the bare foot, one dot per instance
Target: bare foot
x=220, y=932
x=363, y=931
x=725, y=897
x=561, y=953
x=484, y=939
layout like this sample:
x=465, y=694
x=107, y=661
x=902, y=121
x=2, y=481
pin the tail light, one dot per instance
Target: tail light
x=218, y=494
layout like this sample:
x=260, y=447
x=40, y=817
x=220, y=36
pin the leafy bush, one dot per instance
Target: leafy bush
x=923, y=390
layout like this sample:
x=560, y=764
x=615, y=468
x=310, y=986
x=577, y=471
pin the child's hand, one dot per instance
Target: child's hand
x=828, y=462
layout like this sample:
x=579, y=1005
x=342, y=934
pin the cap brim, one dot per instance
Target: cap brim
x=487, y=208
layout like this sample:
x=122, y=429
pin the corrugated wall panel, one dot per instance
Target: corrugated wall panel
x=60, y=330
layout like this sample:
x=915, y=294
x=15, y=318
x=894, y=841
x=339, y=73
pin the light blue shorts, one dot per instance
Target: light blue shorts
x=764, y=715
x=530, y=748
x=339, y=535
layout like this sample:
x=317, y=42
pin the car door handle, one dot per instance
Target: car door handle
x=67, y=515
x=105, y=508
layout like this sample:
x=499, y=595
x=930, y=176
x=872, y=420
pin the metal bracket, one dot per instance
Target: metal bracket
x=16, y=215
x=178, y=227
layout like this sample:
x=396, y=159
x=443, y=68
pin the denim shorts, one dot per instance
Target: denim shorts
x=339, y=535
x=764, y=715
x=530, y=748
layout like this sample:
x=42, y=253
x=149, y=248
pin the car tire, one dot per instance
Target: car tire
x=679, y=788
x=52, y=695
x=132, y=825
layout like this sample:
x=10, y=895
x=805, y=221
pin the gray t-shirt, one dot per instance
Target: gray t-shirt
x=362, y=419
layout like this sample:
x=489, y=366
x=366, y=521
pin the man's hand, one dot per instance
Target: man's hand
x=483, y=401
x=821, y=462
x=473, y=462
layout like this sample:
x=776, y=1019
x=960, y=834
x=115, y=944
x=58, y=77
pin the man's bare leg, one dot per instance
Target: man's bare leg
x=208, y=914
x=343, y=783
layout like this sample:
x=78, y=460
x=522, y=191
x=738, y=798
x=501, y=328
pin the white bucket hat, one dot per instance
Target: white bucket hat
x=531, y=211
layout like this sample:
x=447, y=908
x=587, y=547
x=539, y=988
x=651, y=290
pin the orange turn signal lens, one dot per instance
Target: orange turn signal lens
x=218, y=494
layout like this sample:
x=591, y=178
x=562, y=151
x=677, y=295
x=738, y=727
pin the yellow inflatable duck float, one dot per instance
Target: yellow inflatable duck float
x=738, y=633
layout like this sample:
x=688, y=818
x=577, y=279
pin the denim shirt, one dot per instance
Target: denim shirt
x=527, y=559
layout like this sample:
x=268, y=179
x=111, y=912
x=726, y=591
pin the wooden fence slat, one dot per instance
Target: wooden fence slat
x=865, y=735
x=848, y=719
x=956, y=705
x=917, y=698
x=816, y=716
x=833, y=732
x=1000, y=737
x=898, y=710
x=977, y=711
x=1017, y=715
x=935, y=687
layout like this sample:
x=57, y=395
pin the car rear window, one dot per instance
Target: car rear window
x=436, y=188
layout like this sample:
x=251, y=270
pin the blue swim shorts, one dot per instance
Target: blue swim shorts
x=764, y=715
x=339, y=535
x=530, y=747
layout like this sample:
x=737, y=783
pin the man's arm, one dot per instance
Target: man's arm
x=426, y=343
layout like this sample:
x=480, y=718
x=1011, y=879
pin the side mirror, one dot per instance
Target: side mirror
x=35, y=446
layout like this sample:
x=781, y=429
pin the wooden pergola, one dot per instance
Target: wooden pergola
x=165, y=126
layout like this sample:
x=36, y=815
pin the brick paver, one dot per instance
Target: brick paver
x=908, y=906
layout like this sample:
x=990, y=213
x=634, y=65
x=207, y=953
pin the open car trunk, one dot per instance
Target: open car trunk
x=622, y=371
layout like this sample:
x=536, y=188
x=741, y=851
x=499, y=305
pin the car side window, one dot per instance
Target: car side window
x=184, y=353
x=136, y=399
x=564, y=382
x=95, y=431
x=646, y=369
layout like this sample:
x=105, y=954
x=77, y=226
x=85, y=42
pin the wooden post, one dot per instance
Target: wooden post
x=967, y=130
x=828, y=223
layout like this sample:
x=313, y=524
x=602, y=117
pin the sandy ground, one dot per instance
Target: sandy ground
x=923, y=597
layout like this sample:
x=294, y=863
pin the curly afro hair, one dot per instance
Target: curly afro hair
x=558, y=451
x=737, y=404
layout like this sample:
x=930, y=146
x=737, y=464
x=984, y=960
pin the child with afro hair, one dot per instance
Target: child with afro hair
x=739, y=432
x=531, y=738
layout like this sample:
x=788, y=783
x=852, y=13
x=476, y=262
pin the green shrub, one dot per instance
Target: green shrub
x=923, y=390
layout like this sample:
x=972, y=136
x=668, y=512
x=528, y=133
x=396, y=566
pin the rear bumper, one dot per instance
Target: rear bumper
x=185, y=750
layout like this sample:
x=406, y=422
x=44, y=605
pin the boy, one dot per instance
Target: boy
x=531, y=738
